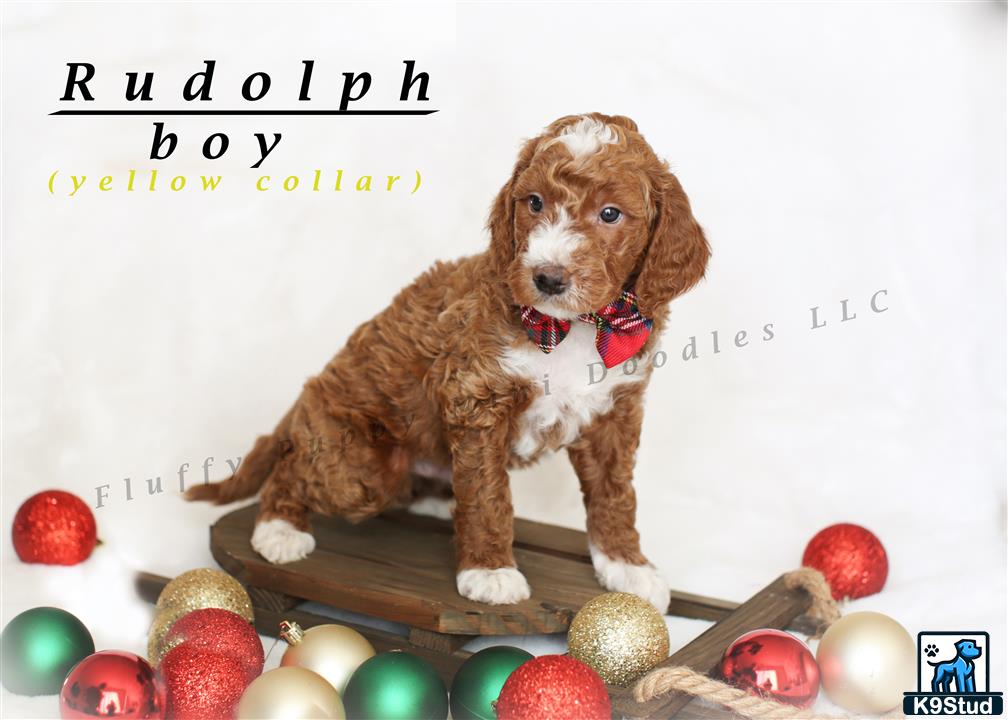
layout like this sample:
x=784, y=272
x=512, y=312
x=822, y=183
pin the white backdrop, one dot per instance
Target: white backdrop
x=830, y=151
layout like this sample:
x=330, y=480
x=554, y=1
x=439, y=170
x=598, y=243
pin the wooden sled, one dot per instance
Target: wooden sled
x=400, y=567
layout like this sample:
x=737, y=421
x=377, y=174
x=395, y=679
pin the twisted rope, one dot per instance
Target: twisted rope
x=681, y=679
x=823, y=608
x=685, y=680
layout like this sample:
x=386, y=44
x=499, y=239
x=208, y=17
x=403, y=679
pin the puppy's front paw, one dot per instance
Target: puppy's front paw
x=500, y=586
x=280, y=542
x=641, y=580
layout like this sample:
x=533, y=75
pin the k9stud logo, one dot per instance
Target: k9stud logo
x=952, y=675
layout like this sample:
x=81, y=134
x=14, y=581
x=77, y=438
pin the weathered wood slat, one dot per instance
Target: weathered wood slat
x=528, y=534
x=438, y=642
x=271, y=599
x=400, y=567
x=405, y=574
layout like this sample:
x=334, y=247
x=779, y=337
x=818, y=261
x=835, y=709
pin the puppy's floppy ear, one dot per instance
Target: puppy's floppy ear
x=677, y=252
x=501, y=220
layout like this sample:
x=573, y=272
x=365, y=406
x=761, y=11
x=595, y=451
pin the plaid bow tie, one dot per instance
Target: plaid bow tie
x=621, y=330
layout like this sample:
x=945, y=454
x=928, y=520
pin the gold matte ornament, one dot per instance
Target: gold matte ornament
x=194, y=590
x=867, y=661
x=291, y=693
x=333, y=651
x=619, y=636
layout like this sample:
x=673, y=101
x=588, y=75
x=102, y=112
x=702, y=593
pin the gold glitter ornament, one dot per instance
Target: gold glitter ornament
x=157, y=648
x=619, y=636
x=195, y=590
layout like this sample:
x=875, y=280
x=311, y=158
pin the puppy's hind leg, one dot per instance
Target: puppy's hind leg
x=431, y=490
x=340, y=462
x=282, y=532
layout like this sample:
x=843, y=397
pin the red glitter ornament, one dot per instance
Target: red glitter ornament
x=201, y=685
x=112, y=684
x=220, y=631
x=556, y=687
x=851, y=559
x=55, y=528
x=773, y=664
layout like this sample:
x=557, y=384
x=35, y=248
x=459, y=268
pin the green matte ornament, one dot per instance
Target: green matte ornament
x=395, y=686
x=478, y=683
x=39, y=648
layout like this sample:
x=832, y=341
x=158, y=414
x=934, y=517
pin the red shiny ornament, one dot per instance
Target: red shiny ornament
x=201, y=685
x=55, y=528
x=112, y=684
x=773, y=664
x=851, y=559
x=556, y=687
x=220, y=631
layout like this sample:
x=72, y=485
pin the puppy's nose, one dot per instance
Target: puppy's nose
x=550, y=279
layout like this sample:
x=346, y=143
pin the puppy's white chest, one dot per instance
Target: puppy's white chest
x=573, y=388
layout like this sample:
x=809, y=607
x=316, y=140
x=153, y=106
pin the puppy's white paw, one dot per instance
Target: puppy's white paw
x=433, y=507
x=641, y=580
x=501, y=586
x=280, y=542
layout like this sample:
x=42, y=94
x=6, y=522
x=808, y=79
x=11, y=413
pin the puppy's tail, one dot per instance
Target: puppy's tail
x=252, y=472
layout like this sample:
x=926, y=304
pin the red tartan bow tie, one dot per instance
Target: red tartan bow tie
x=621, y=330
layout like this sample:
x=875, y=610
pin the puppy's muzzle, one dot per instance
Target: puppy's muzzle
x=550, y=279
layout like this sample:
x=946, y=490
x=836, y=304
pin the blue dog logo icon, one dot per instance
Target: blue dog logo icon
x=958, y=670
x=953, y=672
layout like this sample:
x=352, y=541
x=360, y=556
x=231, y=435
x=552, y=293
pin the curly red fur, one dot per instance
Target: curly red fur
x=424, y=381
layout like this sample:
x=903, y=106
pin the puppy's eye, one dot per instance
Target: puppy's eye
x=610, y=215
x=535, y=203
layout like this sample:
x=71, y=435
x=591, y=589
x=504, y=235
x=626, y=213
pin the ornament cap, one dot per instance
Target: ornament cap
x=291, y=632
